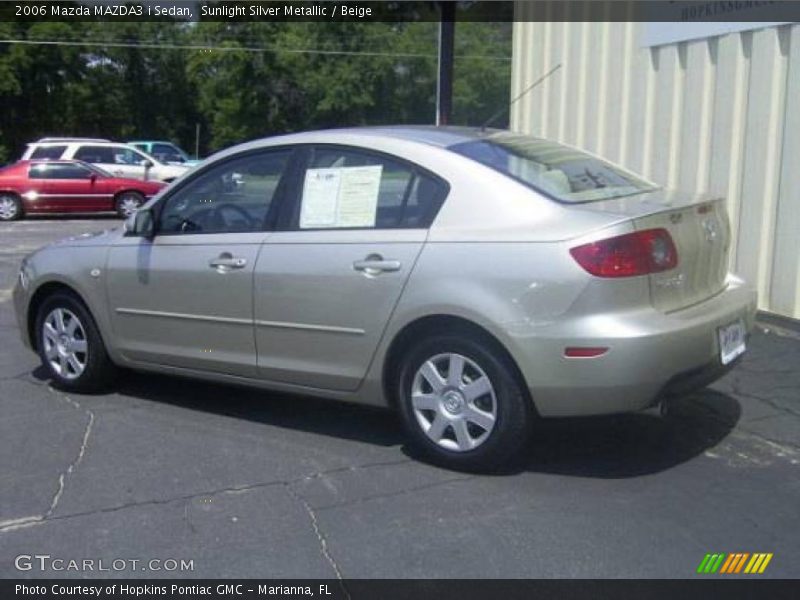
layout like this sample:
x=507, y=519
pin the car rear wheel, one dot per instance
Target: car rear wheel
x=128, y=203
x=462, y=403
x=70, y=345
x=10, y=207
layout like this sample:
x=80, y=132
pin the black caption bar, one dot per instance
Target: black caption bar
x=399, y=11
x=388, y=589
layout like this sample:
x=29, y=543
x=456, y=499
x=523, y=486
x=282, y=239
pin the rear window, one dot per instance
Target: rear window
x=561, y=172
x=346, y=188
x=46, y=152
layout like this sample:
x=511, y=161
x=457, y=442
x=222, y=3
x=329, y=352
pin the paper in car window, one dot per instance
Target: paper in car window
x=340, y=197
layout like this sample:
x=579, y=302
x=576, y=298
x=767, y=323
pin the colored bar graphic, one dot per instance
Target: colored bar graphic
x=734, y=563
x=711, y=562
x=741, y=562
x=703, y=563
x=727, y=564
x=754, y=563
x=717, y=563
x=765, y=563
x=736, y=557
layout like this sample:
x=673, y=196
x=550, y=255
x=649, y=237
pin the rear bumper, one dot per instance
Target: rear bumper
x=21, y=300
x=651, y=354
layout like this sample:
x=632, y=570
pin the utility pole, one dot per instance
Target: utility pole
x=444, y=84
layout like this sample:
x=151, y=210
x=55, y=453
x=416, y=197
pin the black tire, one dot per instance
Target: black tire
x=98, y=371
x=124, y=200
x=514, y=414
x=13, y=202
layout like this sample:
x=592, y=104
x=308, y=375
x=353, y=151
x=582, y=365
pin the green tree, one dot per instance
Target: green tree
x=239, y=80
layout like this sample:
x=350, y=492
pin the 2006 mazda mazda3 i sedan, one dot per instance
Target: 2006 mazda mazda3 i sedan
x=473, y=279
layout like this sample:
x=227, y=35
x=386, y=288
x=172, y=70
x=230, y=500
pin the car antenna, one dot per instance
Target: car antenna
x=525, y=91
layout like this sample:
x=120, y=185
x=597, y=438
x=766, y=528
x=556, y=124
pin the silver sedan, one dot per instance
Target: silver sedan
x=473, y=280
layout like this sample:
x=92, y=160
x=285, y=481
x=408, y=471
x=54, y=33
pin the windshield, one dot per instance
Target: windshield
x=167, y=152
x=564, y=173
x=178, y=151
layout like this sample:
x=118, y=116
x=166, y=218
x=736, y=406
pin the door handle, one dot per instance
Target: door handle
x=372, y=265
x=226, y=262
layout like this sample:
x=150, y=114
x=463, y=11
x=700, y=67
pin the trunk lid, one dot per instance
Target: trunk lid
x=699, y=227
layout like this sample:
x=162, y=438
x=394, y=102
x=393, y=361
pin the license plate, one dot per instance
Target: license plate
x=731, y=341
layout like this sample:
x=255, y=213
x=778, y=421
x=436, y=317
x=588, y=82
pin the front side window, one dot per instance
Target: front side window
x=51, y=152
x=127, y=156
x=59, y=171
x=564, y=173
x=347, y=189
x=96, y=154
x=234, y=196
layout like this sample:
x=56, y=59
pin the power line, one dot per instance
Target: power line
x=202, y=47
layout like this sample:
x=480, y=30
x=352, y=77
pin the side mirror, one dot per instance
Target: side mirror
x=93, y=177
x=147, y=164
x=141, y=224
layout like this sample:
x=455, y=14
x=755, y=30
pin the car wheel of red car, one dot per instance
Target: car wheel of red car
x=10, y=207
x=128, y=203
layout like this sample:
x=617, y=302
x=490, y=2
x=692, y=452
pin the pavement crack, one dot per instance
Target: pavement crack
x=162, y=501
x=780, y=443
x=394, y=494
x=236, y=489
x=16, y=376
x=12, y=524
x=62, y=478
x=736, y=389
x=323, y=541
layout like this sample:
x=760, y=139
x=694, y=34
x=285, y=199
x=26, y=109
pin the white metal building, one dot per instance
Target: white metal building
x=719, y=113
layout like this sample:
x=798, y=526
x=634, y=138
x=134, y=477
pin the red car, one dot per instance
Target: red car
x=68, y=186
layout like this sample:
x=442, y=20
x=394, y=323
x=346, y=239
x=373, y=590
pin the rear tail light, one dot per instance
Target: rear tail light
x=637, y=253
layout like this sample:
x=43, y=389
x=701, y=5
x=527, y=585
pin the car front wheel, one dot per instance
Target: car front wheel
x=462, y=403
x=70, y=345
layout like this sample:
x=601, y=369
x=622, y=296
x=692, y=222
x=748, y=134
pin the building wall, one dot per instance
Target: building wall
x=719, y=115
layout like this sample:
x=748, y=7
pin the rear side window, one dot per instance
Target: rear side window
x=59, y=171
x=561, y=172
x=348, y=189
x=96, y=154
x=51, y=152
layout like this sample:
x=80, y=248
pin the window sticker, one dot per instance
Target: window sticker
x=340, y=197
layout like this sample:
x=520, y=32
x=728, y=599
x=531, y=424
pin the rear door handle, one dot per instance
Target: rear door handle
x=226, y=262
x=373, y=265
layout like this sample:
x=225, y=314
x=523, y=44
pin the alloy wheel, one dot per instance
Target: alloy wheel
x=65, y=344
x=454, y=402
x=8, y=208
x=129, y=204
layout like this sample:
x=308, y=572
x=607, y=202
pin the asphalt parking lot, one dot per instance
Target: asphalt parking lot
x=248, y=484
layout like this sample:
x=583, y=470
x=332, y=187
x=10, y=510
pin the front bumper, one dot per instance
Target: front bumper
x=651, y=354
